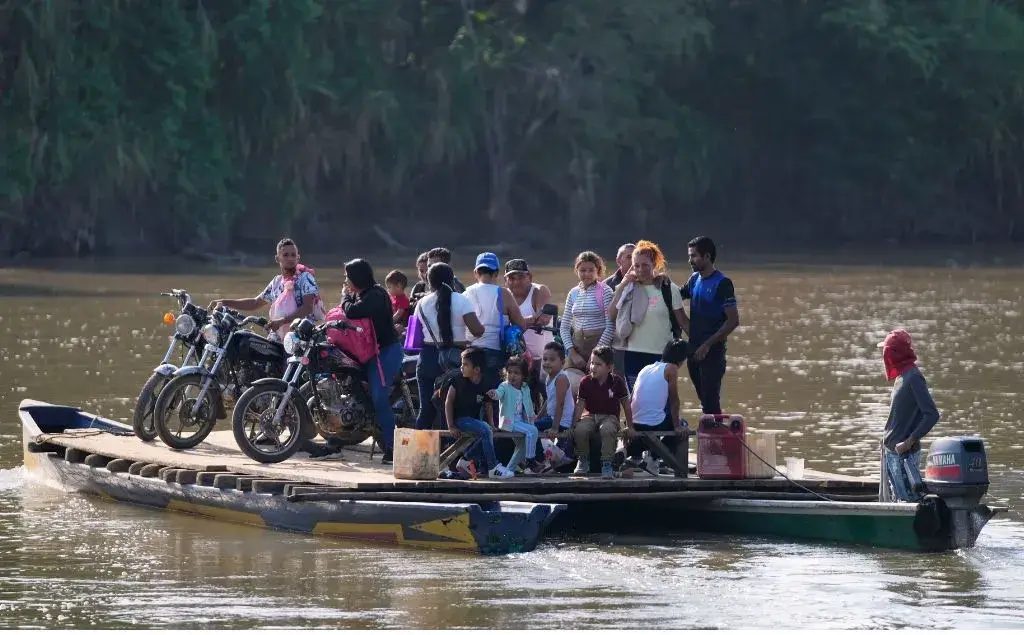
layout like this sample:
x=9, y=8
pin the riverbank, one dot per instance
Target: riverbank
x=730, y=255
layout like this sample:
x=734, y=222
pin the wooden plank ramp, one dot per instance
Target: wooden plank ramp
x=357, y=472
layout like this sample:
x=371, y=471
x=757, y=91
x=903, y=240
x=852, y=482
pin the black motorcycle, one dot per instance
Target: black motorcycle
x=323, y=390
x=198, y=396
x=186, y=336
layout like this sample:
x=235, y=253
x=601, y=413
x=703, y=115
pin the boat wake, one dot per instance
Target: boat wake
x=13, y=479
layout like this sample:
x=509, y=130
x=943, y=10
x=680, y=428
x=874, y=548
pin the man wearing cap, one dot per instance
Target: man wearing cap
x=912, y=414
x=495, y=307
x=531, y=298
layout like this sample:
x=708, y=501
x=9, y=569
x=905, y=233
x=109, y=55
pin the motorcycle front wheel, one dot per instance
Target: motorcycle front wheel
x=257, y=434
x=143, y=415
x=173, y=419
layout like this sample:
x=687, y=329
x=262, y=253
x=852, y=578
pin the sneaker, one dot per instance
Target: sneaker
x=606, y=470
x=464, y=465
x=323, y=452
x=500, y=472
x=388, y=457
x=582, y=467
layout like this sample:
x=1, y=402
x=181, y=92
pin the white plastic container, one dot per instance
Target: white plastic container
x=417, y=454
x=794, y=468
x=762, y=444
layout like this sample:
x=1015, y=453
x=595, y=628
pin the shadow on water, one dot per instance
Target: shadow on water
x=141, y=266
x=37, y=291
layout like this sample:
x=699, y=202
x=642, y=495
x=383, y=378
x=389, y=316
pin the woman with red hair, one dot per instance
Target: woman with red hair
x=647, y=310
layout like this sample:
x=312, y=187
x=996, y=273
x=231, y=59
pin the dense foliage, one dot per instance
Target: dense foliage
x=184, y=122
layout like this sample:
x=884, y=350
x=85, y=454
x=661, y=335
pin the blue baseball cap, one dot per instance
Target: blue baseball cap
x=487, y=260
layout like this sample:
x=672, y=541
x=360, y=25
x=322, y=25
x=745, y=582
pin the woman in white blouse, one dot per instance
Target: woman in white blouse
x=445, y=317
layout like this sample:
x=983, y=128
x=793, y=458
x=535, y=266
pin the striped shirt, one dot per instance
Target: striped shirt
x=584, y=312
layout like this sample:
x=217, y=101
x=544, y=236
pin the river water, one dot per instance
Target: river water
x=803, y=362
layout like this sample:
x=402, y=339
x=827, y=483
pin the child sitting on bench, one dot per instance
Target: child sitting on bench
x=515, y=413
x=462, y=405
x=602, y=394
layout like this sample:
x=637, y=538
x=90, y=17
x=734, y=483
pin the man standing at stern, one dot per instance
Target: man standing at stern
x=912, y=415
x=713, y=316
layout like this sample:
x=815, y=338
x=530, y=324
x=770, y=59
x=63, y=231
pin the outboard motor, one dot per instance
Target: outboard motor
x=957, y=471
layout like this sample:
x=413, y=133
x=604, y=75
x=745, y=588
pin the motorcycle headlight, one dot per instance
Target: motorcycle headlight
x=291, y=342
x=211, y=334
x=184, y=325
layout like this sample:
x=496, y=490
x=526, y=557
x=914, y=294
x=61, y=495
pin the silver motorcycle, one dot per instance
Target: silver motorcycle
x=198, y=395
x=186, y=337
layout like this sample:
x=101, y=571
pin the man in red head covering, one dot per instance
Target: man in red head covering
x=912, y=415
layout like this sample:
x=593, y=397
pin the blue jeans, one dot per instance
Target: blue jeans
x=526, y=446
x=483, y=447
x=380, y=392
x=543, y=424
x=428, y=369
x=901, y=489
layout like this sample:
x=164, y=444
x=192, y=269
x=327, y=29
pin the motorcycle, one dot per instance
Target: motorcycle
x=186, y=336
x=323, y=390
x=233, y=358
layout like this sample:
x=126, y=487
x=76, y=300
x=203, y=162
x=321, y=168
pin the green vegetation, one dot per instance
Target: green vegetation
x=205, y=122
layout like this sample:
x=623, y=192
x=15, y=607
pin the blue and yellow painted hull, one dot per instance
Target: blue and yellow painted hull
x=485, y=528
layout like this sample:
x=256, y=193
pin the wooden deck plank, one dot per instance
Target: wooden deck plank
x=357, y=472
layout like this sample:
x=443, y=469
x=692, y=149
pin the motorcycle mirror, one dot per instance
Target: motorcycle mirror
x=549, y=309
x=303, y=328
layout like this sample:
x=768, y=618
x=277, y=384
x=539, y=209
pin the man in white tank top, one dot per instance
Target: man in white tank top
x=531, y=297
x=655, y=401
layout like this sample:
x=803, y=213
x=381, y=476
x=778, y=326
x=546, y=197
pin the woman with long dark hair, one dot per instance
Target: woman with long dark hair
x=445, y=316
x=364, y=298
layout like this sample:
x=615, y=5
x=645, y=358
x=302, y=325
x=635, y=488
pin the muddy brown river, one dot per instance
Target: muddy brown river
x=804, y=362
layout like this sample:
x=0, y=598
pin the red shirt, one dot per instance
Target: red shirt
x=603, y=399
x=399, y=302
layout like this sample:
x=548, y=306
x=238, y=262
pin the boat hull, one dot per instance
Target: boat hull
x=488, y=529
x=488, y=517
x=927, y=526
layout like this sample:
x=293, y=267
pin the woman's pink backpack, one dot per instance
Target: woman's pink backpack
x=361, y=346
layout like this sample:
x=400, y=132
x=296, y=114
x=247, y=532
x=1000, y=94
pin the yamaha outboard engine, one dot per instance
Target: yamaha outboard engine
x=957, y=471
x=956, y=476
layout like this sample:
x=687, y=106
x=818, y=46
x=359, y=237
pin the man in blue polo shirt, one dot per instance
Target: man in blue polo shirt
x=713, y=315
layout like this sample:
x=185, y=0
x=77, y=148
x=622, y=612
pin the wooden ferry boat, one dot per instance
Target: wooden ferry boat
x=356, y=499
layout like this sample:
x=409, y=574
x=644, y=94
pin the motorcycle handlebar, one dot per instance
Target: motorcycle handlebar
x=342, y=325
x=257, y=320
x=181, y=294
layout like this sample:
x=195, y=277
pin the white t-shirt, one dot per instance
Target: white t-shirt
x=484, y=298
x=426, y=308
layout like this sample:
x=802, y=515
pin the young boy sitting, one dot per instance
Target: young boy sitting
x=656, y=398
x=602, y=394
x=466, y=396
x=396, y=282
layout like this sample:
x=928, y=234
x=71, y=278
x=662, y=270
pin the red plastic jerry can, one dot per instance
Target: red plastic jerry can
x=721, y=453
